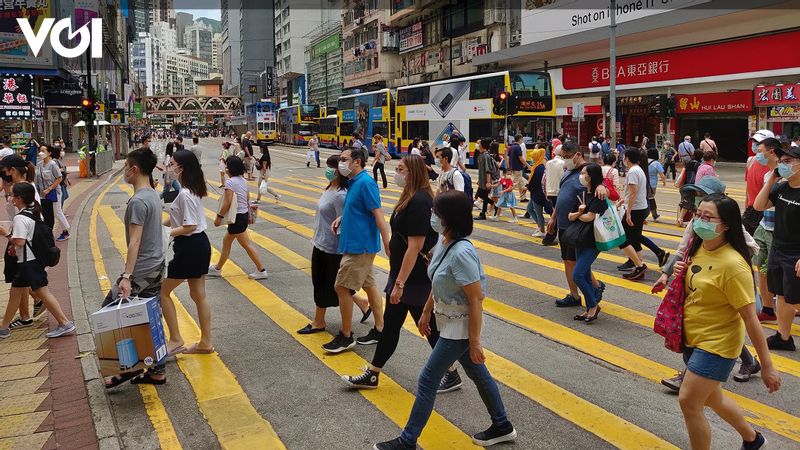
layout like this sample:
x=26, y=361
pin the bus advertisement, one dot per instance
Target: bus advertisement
x=464, y=106
x=296, y=123
x=367, y=114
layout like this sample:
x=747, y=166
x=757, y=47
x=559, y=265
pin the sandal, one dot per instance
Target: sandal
x=366, y=315
x=309, y=329
x=116, y=380
x=177, y=350
x=147, y=378
x=193, y=350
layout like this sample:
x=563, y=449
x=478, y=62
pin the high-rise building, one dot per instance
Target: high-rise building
x=140, y=16
x=369, y=44
x=248, y=46
x=198, y=39
x=230, y=38
x=182, y=20
x=324, y=64
x=182, y=70
x=216, y=53
x=293, y=20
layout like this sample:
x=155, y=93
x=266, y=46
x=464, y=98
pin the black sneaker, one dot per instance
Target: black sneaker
x=759, y=442
x=450, y=382
x=19, y=322
x=340, y=343
x=527, y=215
x=394, y=444
x=628, y=265
x=370, y=338
x=38, y=310
x=637, y=274
x=746, y=371
x=524, y=200
x=548, y=242
x=663, y=258
x=495, y=435
x=775, y=342
x=568, y=301
x=367, y=380
x=481, y=217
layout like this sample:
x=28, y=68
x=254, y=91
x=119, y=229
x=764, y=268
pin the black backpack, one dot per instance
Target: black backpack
x=43, y=245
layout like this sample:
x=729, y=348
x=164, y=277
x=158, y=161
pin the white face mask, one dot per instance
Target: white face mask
x=62, y=153
x=400, y=179
x=41, y=155
x=344, y=169
x=569, y=163
x=582, y=180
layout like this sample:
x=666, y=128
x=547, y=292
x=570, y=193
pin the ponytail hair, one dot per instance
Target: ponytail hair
x=27, y=193
x=30, y=172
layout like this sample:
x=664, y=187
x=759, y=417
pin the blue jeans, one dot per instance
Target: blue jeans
x=64, y=194
x=171, y=186
x=444, y=354
x=582, y=274
x=536, y=212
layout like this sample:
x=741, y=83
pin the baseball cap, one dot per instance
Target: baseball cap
x=13, y=161
x=794, y=152
x=706, y=186
x=760, y=135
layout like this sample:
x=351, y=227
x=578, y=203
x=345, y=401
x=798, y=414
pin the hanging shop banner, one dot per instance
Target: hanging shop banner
x=16, y=101
x=411, y=37
x=66, y=94
x=14, y=48
x=719, y=102
x=325, y=46
x=783, y=114
x=777, y=94
x=38, y=107
x=776, y=51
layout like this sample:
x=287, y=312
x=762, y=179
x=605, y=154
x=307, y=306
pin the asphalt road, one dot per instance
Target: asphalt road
x=565, y=384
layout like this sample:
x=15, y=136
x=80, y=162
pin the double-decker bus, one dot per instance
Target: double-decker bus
x=464, y=106
x=296, y=123
x=265, y=124
x=326, y=129
x=368, y=114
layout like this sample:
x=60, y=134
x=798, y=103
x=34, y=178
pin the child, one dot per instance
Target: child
x=507, y=197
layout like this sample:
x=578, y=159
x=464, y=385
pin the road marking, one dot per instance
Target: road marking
x=165, y=431
x=221, y=399
x=605, y=425
x=772, y=418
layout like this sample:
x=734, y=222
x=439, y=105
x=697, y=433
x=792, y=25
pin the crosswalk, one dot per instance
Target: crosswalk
x=559, y=380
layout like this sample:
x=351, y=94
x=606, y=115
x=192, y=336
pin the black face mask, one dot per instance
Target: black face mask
x=4, y=177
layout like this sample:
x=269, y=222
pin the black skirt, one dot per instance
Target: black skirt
x=324, y=267
x=192, y=255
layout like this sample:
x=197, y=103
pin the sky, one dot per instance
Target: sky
x=199, y=8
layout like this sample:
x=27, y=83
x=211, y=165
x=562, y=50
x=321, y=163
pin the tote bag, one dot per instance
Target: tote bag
x=669, y=318
x=230, y=216
x=608, y=231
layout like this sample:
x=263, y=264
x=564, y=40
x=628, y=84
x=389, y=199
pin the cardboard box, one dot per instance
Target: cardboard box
x=129, y=335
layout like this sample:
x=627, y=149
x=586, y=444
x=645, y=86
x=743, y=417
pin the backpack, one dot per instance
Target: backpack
x=467, y=182
x=42, y=245
x=596, y=147
x=608, y=182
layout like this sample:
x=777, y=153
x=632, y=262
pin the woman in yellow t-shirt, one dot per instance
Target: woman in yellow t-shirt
x=719, y=307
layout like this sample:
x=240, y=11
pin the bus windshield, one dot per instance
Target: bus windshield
x=305, y=129
x=530, y=85
x=309, y=112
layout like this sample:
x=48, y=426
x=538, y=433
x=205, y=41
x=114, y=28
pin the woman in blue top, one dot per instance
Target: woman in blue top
x=458, y=286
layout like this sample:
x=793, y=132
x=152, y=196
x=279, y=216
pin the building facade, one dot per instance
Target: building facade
x=713, y=60
x=198, y=39
x=183, y=20
x=324, y=64
x=182, y=70
x=370, y=45
x=216, y=53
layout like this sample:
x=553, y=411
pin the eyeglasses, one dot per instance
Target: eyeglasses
x=344, y=159
x=707, y=218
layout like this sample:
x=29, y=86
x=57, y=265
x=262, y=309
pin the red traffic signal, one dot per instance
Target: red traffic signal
x=86, y=103
x=503, y=95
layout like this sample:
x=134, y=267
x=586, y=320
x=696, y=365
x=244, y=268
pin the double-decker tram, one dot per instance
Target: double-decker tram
x=266, y=126
x=296, y=123
x=367, y=113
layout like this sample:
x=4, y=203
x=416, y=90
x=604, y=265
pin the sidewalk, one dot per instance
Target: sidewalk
x=43, y=398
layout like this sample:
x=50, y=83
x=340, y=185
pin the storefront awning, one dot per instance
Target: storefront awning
x=97, y=123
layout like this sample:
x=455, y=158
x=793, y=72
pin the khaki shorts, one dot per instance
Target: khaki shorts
x=355, y=271
x=764, y=240
x=516, y=177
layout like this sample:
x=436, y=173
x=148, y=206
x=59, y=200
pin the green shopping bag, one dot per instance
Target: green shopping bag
x=608, y=231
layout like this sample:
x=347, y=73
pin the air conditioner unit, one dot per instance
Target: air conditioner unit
x=495, y=12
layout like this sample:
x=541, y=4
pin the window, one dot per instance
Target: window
x=381, y=128
x=381, y=100
x=465, y=17
x=346, y=103
x=486, y=87
x=416, y=129
x=327, y=126
x=346, y=128
x=413, y=96
x=530, y=85
x=486, y=128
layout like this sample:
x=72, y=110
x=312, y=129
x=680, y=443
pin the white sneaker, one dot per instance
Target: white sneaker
x=213, y=271
x=277, y=197
x=514, y=220
x=476, y=204
x=262, y=275
x=494, y=218
x=537, y=234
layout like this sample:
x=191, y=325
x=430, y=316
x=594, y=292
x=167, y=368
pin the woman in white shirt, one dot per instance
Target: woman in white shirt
x=192, y=252
x=30, y=274
x=237, y=231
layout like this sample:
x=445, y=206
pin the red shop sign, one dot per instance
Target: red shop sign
x=785, y=94
x=778, y=51
x=739, y=101
x=588, y=109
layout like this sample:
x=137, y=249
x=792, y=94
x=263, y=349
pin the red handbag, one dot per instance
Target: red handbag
x=669, y=318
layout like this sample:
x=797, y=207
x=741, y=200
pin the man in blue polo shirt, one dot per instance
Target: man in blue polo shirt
x=359, y=241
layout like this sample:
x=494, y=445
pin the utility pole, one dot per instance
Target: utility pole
x=90, y=117
x=612, y=68
x=450, y=33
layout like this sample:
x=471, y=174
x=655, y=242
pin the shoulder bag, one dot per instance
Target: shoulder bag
x=608, y=182
x=230, y=216
x=669, y=318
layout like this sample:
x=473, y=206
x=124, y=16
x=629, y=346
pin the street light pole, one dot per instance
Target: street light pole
x=612, y=67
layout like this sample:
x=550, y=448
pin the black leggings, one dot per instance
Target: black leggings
x=483, y=194
x=375, y=168
x=393, y=318
x=47, y=213
x=633, y=233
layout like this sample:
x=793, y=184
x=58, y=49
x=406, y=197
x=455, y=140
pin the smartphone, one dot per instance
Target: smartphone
x=777, y=174
x=658, y=287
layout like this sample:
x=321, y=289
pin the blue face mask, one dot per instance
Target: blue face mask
x=754, y=147
x=705, y=230
x=436, y=224
x=762, y=159
x=330, y=173
x=785, y=170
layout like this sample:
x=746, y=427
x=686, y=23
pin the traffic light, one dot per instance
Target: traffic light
x=671, y=107
x=657, y=107
x=512, y=104
x=661, y=106
x=500, y=103
x=87, y=105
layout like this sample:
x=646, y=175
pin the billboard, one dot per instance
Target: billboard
x=14, y=48
x=17, y=97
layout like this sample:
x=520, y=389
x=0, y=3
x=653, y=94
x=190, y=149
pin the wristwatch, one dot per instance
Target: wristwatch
x=400, y=284
x=126, y=276
x=220, y=216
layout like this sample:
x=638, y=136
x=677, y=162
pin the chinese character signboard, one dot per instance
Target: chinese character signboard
x=326, y=46
x=778, y=94
x=16, y=101
x=783, y=114
x=739, y=101
x=14, y=48
x=411, y=37
x=38, y=107
x=776, y=51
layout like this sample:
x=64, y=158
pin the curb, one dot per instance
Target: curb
x=104, y=424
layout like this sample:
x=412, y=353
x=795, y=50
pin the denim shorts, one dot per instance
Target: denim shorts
x=708, y=365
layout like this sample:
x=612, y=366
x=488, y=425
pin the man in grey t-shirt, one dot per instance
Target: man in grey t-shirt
x=195, y=148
